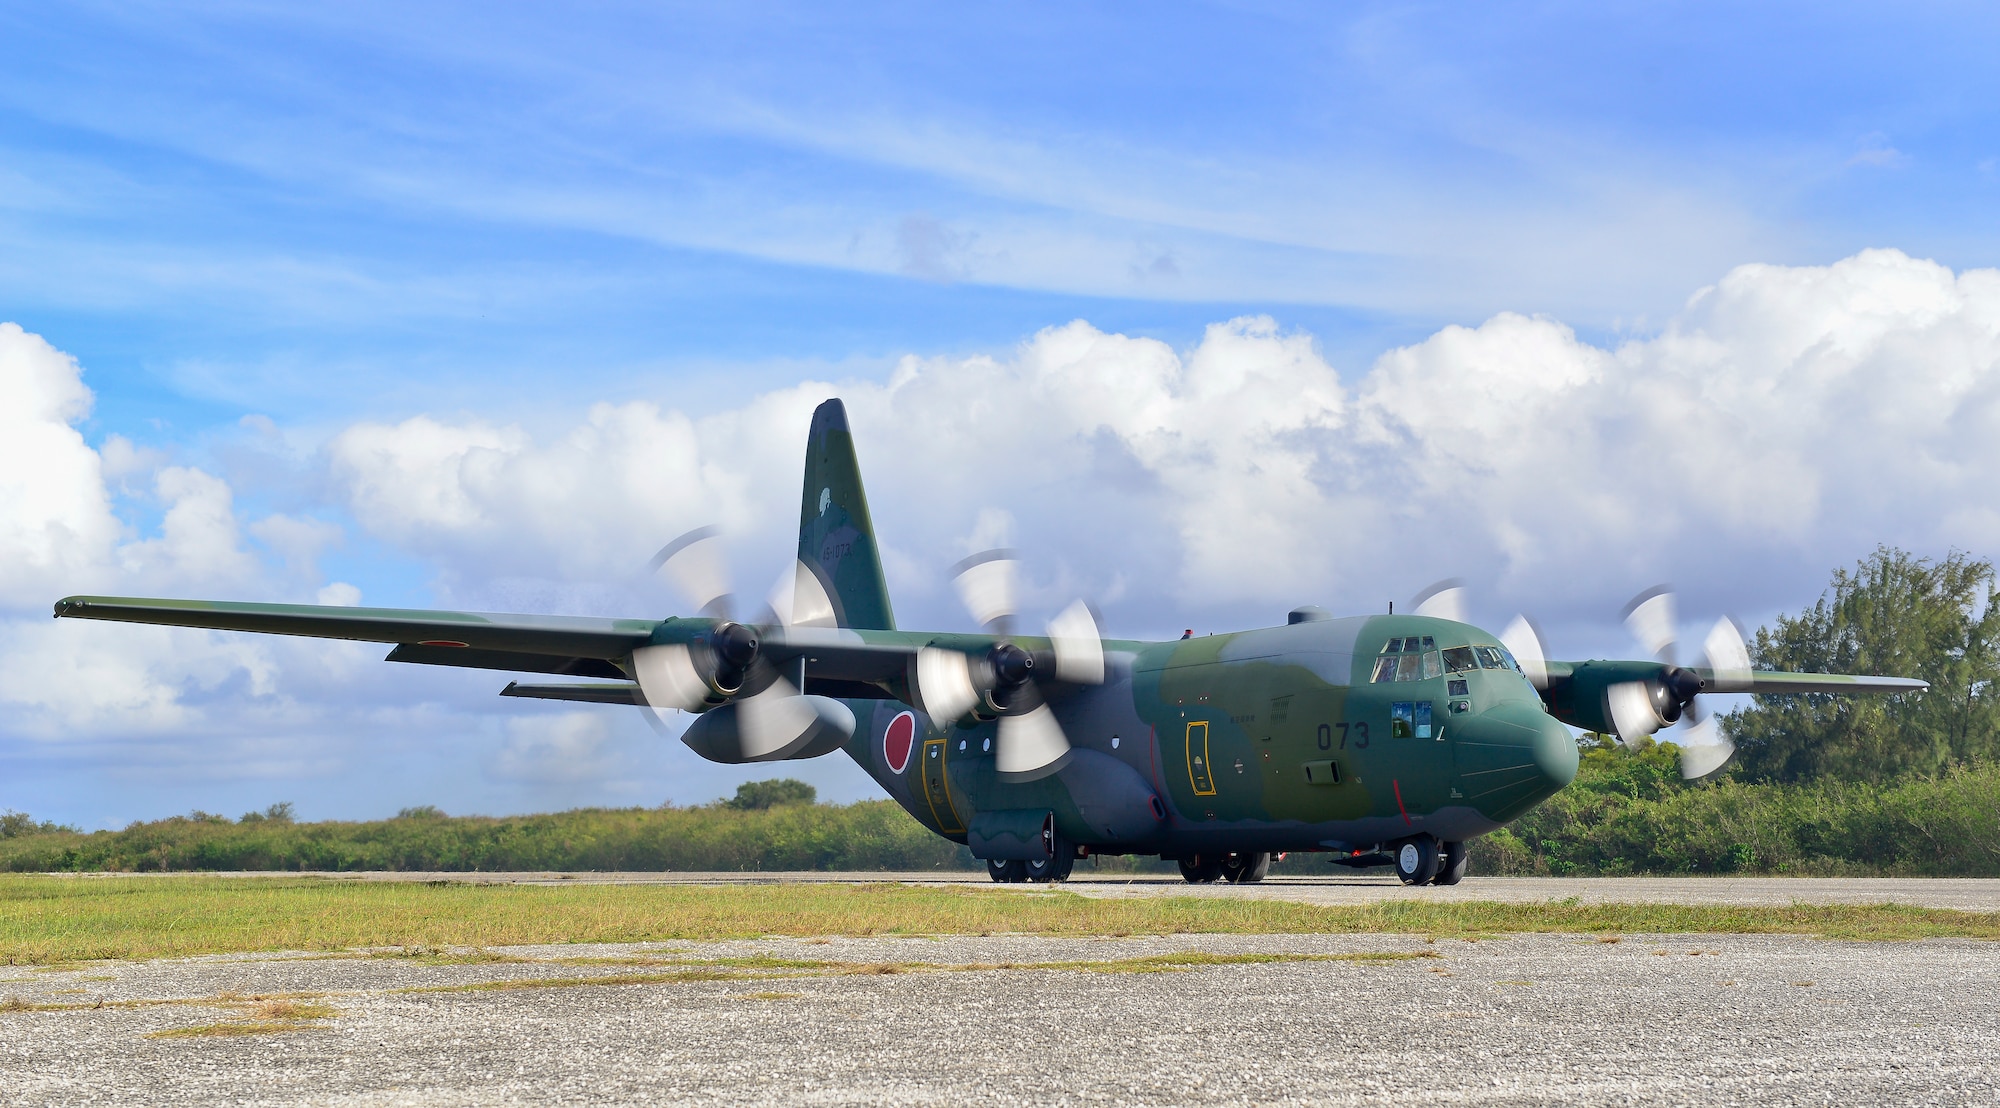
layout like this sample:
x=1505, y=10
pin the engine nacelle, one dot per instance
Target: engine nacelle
x=770, y=727
x=1628, y=699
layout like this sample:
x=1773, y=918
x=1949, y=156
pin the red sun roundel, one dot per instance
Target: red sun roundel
x=898, y=740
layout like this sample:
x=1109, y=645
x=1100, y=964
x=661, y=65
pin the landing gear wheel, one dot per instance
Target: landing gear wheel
x=1007, y=872
x=1247, y=869
x=1451, y=870
x=1417, y=860
x=1202, y=869
x=1053, y=869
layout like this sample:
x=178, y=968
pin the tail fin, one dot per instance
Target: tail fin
x=836, y=536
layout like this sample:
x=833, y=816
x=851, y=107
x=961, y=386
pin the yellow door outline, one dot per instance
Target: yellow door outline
x=937, y=787
x=1199, y=774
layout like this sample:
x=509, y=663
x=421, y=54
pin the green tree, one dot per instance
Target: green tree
x=755, y=796
x=1895, y=615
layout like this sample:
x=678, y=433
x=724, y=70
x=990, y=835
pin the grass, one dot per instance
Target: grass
x=46, y=920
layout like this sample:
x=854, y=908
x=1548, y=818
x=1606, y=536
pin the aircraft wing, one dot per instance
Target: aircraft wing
x=838, y=662
x=1764, y=682
x=576, y=645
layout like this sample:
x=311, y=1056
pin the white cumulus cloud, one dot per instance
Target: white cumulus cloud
x=1787, y=419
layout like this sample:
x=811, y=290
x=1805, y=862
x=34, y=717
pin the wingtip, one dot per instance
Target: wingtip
x=69, y=606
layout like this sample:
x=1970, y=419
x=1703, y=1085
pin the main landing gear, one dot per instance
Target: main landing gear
x=1422, y=860
x=1238, y=868
x=1055, y=868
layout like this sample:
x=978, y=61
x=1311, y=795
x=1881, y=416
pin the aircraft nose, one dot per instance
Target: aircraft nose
x=1512, y=757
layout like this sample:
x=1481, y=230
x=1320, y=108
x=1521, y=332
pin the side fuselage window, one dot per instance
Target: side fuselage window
x=1410, y=719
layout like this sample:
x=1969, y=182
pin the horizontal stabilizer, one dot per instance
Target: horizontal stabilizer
x=600, y=692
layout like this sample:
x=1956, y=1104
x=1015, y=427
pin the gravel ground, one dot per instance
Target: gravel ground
x=1521, y=1020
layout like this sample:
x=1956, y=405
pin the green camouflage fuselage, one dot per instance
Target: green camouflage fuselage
x=1271, y=739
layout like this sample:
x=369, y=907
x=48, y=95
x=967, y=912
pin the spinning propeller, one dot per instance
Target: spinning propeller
x=748, y=710
x=1652, y=701
x=1006, y=679
x=1636, y=706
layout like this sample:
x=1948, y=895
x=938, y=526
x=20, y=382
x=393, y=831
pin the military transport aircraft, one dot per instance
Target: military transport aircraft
x=1383, y=740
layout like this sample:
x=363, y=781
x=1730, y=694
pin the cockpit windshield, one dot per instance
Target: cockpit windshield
x=1467, y=659
x=1413, y=658
x=1417, y=658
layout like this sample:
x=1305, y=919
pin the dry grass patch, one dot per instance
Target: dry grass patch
x=261, y=1015
x=69, y=920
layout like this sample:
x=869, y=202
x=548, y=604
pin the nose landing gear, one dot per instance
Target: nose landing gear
x=1417, y=860
x=1422, y=860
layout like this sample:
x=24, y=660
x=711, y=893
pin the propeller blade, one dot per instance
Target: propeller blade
x=1704, y=748
x=1079, y=645
x=1728, y=656
x=669, y=678
x=774, y=719
x=1630, y=705
x=945, y=689
x=1524, y=642
x=1650, y=615
x=699, y=567
x=772, y=725
x=800, y=599
x=1444, y=600
x=986, y=584
x=1031, y=743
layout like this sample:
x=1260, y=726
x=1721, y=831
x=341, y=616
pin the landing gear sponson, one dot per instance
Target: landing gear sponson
x=1419, y=860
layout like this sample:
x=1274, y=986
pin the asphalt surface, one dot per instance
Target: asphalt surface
x=1536, y=1019
x=1964, y=894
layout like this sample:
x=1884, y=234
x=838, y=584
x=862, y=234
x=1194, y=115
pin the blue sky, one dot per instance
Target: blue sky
x=257, y=229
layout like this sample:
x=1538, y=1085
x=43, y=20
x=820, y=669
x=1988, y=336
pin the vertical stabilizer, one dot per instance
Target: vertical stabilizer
x=836, y=536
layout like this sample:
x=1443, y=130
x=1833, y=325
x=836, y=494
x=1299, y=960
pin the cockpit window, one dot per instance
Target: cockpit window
x=1459, y=659
x=1492, y=657
x=1413, y=658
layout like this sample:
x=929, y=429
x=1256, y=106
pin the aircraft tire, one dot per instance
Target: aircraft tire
x=1451, y=868
x=1202, y=869
x=1053, y=869
x=1416, y=860
x=1007, y=871
x=1247, y=869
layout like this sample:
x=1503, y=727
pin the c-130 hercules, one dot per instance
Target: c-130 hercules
x=1385, y=739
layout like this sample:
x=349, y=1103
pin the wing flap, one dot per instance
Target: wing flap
x=509, y=660
x=623, y=692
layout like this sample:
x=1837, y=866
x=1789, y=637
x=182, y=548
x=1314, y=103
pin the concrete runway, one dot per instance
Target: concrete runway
x=1964, y=894
x=1540, y=1019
